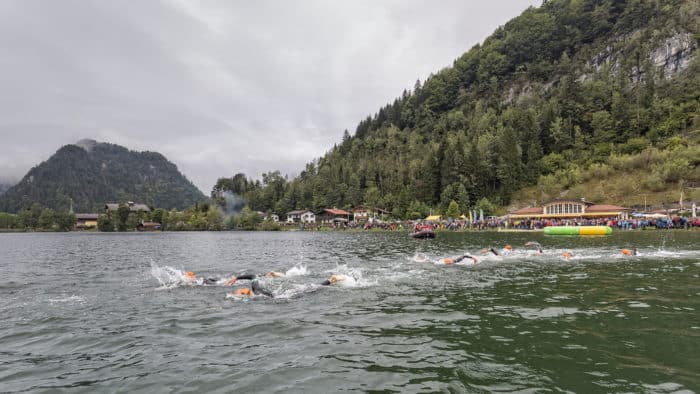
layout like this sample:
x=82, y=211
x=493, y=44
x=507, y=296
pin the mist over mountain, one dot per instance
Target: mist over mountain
x=88, y=174
x=4, y=187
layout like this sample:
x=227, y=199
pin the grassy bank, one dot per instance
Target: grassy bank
x=653, y=177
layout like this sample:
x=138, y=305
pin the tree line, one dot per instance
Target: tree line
x=37, y=218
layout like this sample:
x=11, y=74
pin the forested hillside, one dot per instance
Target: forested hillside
x=95, y=173
x=562, y=93
x=4, y=187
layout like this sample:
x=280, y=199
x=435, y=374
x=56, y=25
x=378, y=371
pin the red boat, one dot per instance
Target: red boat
x=423, y=232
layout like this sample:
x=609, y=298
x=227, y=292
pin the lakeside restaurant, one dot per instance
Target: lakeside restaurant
x=571, y=209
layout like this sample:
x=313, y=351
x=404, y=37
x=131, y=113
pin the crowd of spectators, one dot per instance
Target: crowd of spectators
x=495, y=223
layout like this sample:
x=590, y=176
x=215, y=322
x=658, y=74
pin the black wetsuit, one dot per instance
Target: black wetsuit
x=495, y=252
x=255, y=284
x=466, y=256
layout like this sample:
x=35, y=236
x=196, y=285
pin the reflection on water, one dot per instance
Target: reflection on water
x=105, y=311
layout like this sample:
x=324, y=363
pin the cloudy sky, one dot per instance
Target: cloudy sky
x=218, y=87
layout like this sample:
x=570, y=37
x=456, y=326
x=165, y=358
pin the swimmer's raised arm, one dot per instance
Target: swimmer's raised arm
x=246, y=276
x=232, y=280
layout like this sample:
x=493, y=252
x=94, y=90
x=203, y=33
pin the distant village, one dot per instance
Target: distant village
x=133, y=216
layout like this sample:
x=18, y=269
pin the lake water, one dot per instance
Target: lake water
x=110, y=313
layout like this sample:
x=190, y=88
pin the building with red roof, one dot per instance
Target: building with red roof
x=330, y=215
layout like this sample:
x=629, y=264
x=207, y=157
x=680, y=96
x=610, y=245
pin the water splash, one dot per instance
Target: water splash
x=72, y=299
x=353, y=277
x=420, y=258
x=295, y=290
x=297, y=270
x=169, y=277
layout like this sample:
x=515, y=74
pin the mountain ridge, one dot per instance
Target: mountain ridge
x=88, y=174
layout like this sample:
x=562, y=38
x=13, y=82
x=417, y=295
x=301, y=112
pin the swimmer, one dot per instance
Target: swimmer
x=536, y=244
x=628, y=252
x=455, y=260
x=334, y=279
x=190, y=277
x=272, y=274
x=567, y=255
x=506, y=249
x=255, y=287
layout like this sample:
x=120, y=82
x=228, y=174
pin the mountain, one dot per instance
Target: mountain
x=91, y=173
x=564, y=93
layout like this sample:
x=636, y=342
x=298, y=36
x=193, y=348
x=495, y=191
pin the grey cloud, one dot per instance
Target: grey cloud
x=218, y=87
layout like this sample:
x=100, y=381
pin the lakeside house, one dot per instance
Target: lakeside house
x=571, y=209
x=301, y=216
x=363, y=214
x=273, y=217
x=133, y=207
x=86, y=220
x=333, y=215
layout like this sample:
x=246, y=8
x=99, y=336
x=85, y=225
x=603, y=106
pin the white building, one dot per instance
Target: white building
x=301, y=216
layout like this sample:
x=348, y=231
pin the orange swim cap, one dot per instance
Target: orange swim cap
x=245, y=291
x=447, y=260
x=189, y=274
x=566, y=255
x=626, y=252
x=508, y=247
